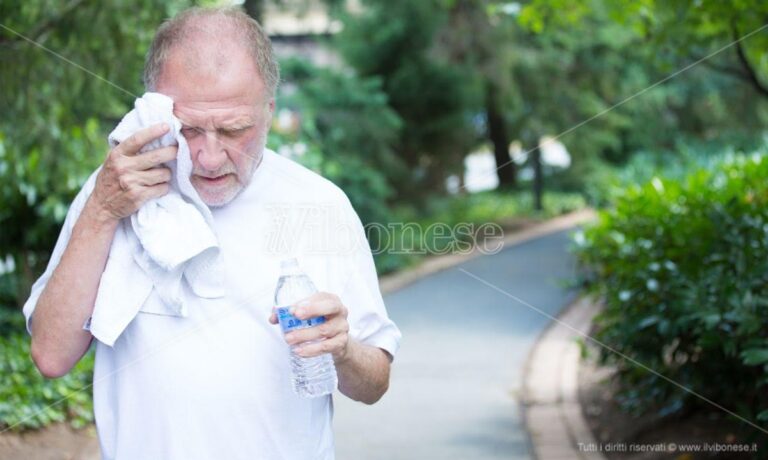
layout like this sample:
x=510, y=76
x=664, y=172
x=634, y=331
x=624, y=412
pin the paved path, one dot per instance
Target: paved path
x=456, y=380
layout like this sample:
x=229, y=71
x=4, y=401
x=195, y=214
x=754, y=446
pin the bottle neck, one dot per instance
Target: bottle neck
x=290, y=267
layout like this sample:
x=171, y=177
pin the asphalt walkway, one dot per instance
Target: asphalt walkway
x=455, y=383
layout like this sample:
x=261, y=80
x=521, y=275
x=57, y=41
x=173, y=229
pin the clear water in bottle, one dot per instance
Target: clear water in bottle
x=315, y=376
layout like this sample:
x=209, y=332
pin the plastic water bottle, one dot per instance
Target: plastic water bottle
x=315, y=376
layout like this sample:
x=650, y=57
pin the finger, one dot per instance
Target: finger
x=140, y=138
x=326, y=330
x=155, y=191
x=320, y=304
x=154, y=176
x=154, y=158
x=273, y=317
x=331, y=345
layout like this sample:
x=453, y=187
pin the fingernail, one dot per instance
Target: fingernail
x=302, y=303
x=164, y=127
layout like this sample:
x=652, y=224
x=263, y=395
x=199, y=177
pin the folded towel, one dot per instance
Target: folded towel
x=170, y=240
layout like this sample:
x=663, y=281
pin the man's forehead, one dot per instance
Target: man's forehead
x=206, y=115
x=214, y=95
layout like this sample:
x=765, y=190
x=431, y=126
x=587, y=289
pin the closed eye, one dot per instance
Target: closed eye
x=189, y=131
x=234, y=131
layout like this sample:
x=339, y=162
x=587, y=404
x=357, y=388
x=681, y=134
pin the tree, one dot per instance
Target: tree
x=681, y=31
x=575, y=70
x=57, y=109
x=472, y=39
x=539, y=84
x=348, y=133
x=436, y=99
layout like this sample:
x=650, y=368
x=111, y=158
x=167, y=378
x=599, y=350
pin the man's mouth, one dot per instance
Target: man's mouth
x=215, y=180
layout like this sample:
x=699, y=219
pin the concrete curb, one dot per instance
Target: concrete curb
x=434, y=264
x=553, y=416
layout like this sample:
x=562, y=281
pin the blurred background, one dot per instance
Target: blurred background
x=652, y=112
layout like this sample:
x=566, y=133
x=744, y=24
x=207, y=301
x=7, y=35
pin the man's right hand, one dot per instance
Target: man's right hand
x=128, y=179
x=124, y=183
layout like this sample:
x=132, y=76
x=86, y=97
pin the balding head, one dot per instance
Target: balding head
x=217, y=66
x=208, y=39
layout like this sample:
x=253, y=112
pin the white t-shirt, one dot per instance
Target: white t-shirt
x=216, y=384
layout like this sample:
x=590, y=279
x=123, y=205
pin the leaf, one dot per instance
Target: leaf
x=755, y=356
x=648, y=321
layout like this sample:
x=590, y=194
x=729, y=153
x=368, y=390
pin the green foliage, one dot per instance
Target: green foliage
x=395, y=42
x=475, y=210
x=500, y=206
x=695, y=29
x=27, y=400
x=683, y=268
x=347, y=132
x=56, y=115
x=605, y=182
x=36, y=186
x=589, y=55
x=681, y=27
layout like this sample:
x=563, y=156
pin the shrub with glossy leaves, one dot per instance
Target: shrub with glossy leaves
x=682, y=266
x=27, y=399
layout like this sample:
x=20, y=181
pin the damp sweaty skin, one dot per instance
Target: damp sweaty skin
x=225, y=115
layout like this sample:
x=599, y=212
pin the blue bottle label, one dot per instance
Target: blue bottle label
x=288, y=322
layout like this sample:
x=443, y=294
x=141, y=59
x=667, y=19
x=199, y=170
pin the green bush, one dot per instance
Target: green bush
x=37, y=184
x=498, y=206
x=682, y=266
x=56, y=116
x=27, y=400
x=603, y=182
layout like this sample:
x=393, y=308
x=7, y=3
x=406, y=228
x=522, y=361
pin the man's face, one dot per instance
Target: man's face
x=226, y=113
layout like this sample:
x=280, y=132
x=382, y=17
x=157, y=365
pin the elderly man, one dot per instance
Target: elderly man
x=215, y=383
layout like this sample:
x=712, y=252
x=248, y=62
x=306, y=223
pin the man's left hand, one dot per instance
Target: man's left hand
x=332, y=335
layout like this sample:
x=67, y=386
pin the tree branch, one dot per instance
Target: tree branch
x=734, y=71
x=750, y=72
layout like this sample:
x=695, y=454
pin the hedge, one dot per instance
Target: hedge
x=682, y=266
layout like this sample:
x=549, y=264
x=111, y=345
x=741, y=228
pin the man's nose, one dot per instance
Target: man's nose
x=211, y=154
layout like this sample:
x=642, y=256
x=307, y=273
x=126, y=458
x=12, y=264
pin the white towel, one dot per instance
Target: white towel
x=170, y=240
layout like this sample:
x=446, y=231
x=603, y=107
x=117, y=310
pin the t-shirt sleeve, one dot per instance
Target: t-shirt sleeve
x=369, y=322
x=61, y=243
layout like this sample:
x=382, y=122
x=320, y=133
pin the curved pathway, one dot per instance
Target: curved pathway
x=455, y=382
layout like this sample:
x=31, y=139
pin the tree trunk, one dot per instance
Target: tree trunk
x=497, y=134
x=751, y=72
x=538, y=179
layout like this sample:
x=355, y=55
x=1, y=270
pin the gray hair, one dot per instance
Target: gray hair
x=176, y=30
